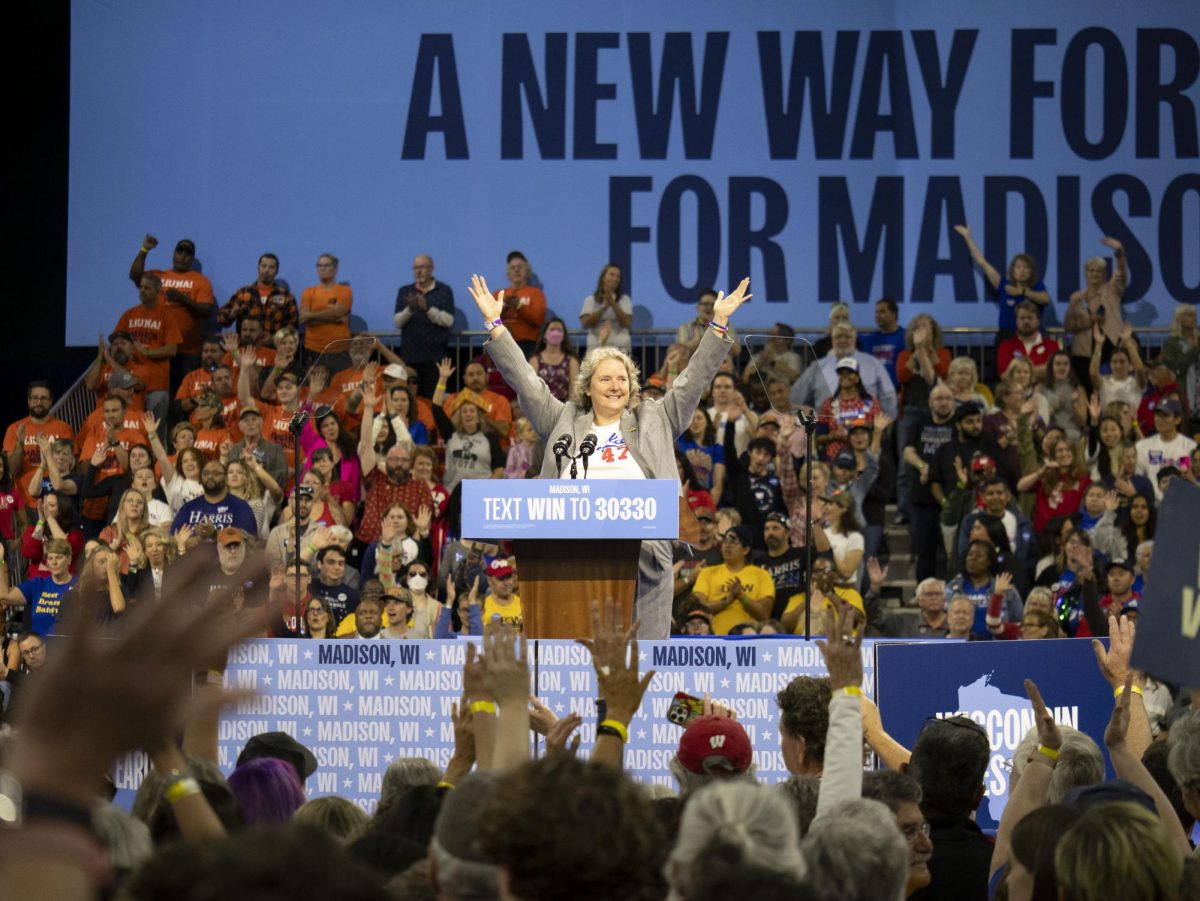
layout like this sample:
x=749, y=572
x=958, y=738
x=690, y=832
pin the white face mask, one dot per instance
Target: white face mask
x=417, y=583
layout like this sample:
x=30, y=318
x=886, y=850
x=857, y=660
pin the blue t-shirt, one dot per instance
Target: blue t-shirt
x=43, y=597
x=886, y=349
x=715, y=454
x=1008, y=305
x=232, y=511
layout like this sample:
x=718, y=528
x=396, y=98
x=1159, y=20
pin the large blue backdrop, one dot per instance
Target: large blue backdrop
x=825, y=149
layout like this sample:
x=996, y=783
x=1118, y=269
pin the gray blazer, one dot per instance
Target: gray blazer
x=650, y=430
x=270, y=455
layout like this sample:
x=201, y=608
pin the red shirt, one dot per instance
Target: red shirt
x=381, y=494
x=1038, y=353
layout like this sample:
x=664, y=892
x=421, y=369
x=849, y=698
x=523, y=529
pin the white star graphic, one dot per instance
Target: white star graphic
x=346, y=783
x=308, y=655
x=558, y=708
x=347, y=706
x=429, y=733
x=765, y=734
x=307, y=731
x=429, y=655
x=766, y=655
x=641, y=655
x=388, y=758
x=641, y=733
x=266, y=680
x=388, y=680
x=724, y=683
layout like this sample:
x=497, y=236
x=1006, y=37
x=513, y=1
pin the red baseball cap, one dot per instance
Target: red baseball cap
x=499, y=568
x=982, y=462
x=713, y=745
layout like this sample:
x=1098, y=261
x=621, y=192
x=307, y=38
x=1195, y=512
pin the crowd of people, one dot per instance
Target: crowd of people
x=519, y=812
x=1031, y=492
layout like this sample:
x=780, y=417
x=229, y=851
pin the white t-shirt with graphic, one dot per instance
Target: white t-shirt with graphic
x=612, y=459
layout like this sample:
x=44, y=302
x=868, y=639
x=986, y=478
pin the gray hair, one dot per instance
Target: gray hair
x=126, y=838
x=690, y=782
x=856, y=852
x=402, y=774
x=1080, y=762
x=959, y=597
x=1183, y=758
x=466, y=880
x=891, y=788
x=930, y=580
x=339, y=818
x=802, y=791
x=753, y=822
x=587, y=369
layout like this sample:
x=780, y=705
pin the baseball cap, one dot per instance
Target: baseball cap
x=122, y=380
x=779, y=518
x=287, y=376
x=229, y=534
x=304, y=491
x=699, y=613
x=854, y=424
x=654, y=383
x=395, y=371
x=186, y=244
x=499, y=568
x=249, y=411
x=281, y=746
x=1170, y=405
x=847, y=363
x=698, y=502
x=743, y=534
x=713, y=745
x=1084, y=796
x=846, y=460
x=120, y=333
x=981, y=462
x=1121, y=562
x=1130, y=606
x=970, y=408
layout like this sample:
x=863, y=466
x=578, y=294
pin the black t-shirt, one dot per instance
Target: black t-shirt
x=927, y=439
x=341, y=598
x=787, y=571
x=694, y=560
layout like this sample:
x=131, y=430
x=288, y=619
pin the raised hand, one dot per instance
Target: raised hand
x=230, y=341
x=491, y=307
x=841, y=648
x=246, y=357
x=558, y=737
x=505, y=668
x=1049, y=735
x=369, y=397
x=151, y=423
x=134, y=551
x=99, y=455
x=876, y=573
x=541, y=717
x=317, y=380
x=474, y=687
x=423, y=518
x=182, y=534
x=1112, y=244
x=615, y=658
x=1114, y=661
x=724, y=307
x=149, y=242
x=963, y=476
x=964, y=231
x=882, y=421
x=1003, y=583
x=445, y=369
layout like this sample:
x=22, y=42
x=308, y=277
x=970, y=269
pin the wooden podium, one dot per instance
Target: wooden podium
x=574, y=540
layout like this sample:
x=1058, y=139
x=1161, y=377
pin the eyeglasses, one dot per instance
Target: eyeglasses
x=912, y=832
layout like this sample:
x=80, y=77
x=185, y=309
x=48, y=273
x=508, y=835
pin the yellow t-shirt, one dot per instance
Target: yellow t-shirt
x=711, y=583
x=509, y=613
x=849, y=595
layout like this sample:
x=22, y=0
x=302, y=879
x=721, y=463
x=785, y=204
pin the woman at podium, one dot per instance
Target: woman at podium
x=636, y=443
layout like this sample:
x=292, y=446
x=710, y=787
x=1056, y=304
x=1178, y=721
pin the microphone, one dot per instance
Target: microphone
x=587, y=447
x=298, y=420
x=561, y=448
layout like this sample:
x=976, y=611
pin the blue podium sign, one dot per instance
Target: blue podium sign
x=984, y=681
x=570, y=508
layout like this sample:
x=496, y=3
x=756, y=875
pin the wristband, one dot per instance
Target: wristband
x=483, y=707
x=145, y=249
x=852, y=690
x=1120, y=690
x=615, y=728
x=181, y=788
x=440, y=386
x=601, y=711
x=444, y=784
x=495, y=323
x=1050, y=753
x=719, y=329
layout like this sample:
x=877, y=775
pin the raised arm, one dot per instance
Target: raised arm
x=366, y=445
x=989, y=270
x=138, y=267
x=1120, y=276
x=842, y=650
x=615, y=660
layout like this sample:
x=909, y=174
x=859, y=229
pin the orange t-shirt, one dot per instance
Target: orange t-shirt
x=230, y=408
x=153, y=328
x=348, y=380
x=264, y=358
x=52, y=428
x=135, y=368
x=194, y=384
x=275, y=429
x=525, y=320
x=199, y=289
x=209, y=441
x=318, y=335
x=93, y=427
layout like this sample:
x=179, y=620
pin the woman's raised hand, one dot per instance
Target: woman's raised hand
x=724, y=306
x=489, y=306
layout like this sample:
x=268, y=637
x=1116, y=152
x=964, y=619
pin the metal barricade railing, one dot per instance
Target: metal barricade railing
x=75, y=404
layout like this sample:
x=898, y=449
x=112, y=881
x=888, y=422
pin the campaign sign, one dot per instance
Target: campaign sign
x=985, y=682
x=361, y=704
x=1169, y=616
x=571, y=508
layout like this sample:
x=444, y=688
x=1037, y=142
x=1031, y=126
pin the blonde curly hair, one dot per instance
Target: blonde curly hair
x=596, y=356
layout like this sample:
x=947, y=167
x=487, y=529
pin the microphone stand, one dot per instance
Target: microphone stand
x=296, y=426
x=808, y=421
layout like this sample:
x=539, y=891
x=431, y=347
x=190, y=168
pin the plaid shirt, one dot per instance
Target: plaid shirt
x=247, y=303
